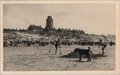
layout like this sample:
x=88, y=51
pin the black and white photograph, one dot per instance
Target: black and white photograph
x=59, y=36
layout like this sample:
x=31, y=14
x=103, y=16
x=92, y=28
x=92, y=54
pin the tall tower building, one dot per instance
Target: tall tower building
x=49, y=23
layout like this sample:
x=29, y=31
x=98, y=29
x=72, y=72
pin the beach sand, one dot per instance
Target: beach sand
x=38, y=58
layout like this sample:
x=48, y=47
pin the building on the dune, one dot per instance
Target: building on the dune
x=35, y=28
x=49, y=29
x=49, y=24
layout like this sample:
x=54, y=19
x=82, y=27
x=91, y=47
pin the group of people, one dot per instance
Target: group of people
x=101, y=45
x=26, y=42
x=57, y=44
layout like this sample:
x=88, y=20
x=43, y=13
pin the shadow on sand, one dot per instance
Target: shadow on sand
x=71, y=55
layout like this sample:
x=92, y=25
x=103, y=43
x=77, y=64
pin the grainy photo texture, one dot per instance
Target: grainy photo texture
x=59, y=37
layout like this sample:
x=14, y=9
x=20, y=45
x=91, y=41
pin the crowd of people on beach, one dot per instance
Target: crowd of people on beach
x=27, y=42
x=57, y=43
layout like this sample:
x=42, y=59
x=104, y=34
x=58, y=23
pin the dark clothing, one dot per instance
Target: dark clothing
x=104, y=46
x=57, y=44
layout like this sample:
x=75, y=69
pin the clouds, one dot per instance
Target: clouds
x=90, y=17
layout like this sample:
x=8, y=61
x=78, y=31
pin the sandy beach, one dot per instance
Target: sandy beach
x=38, y=58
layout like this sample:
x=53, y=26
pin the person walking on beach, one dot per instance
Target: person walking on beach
x=58, y=45
x=103, y=46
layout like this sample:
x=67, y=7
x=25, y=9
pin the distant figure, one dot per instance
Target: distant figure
x=11, y=43
x=15, y=43
x=58, y=44
x=100, y=42
x=28, y=43
x=111, y=43
x=5, y=43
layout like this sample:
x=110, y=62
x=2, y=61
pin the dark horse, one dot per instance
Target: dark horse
x=83, y=52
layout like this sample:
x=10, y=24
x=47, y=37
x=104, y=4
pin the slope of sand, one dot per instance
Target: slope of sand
x=37, y=58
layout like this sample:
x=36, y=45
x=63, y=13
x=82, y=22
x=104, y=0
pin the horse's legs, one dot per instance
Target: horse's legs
x=60, y=50
x=103, y=51
x=88, y=57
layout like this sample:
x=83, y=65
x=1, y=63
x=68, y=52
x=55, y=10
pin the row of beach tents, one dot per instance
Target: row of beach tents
x=17, y=36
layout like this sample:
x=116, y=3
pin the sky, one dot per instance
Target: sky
x=91, y=17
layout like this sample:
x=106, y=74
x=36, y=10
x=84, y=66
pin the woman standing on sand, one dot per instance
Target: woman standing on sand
x=58, y=44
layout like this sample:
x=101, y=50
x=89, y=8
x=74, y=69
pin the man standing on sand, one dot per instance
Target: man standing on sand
x=58, y=45
x=103, y=46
